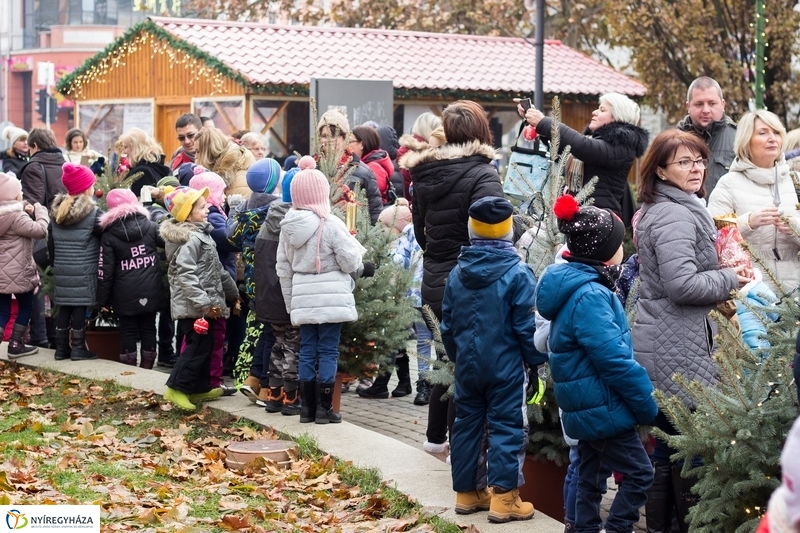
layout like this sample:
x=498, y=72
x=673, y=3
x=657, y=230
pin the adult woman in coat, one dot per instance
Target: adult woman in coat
x=606, y=149
x=680, y=283
x=447, y=181
x=219, y=154
x=13, y=159
x=367, y=146
x=417, y=141
x=146, y=158
x=76, y=147
x=41, y=176
x=760, y=190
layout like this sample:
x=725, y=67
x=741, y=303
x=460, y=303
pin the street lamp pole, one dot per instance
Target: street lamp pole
x=538, y=94
x=760, y=45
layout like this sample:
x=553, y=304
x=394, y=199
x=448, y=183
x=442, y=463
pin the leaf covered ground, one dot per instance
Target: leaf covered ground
x=65, y=440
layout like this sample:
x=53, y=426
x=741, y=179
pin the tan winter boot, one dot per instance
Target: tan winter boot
x=508, y=506
x=473, y=501
x=251, y=388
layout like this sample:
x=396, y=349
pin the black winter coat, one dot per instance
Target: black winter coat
x=73, y=242
x=12, y=163
x=366, y=180
x=607, y=153
x=130, y=278
x=153, y=172
x=447, y=180
x=41, y=177
x=270, y=305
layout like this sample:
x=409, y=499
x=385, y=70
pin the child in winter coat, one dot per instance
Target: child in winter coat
x=279, y=371
x=396, y=219
x=73, y=242
x=227, y=256
x=487, y=329
x=129, y=279
x=200, y=287
x=244, y=225
x=19, y=275
x=783, y=511
x=602, y=391
x=316, y=255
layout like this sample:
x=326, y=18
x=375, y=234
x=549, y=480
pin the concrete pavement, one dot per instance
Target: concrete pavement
x=374, y=434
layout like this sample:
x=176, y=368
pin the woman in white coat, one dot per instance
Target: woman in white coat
x=760, y=190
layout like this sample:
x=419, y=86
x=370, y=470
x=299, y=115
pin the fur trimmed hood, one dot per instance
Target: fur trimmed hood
x=233, y=159
x=8, y=208
x=411, y=142
x=176, y=232
x=68, y=210
x=622, y=133
x=446, y=152
x=122, y=211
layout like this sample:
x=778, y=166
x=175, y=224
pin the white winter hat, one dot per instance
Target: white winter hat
x=12, y=134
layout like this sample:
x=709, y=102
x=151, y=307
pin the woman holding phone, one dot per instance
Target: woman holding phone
x=606, y=149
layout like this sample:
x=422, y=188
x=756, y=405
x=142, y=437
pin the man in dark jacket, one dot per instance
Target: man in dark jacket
x=41, y=176
x=334, y=130
x=391, y=145
x=708, y=120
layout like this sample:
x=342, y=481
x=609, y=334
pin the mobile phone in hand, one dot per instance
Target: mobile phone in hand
x=525, y=103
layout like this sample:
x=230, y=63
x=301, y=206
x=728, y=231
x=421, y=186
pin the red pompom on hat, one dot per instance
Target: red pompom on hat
x=565, y=207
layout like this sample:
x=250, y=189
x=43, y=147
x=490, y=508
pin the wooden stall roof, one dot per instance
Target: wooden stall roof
x=281, y=60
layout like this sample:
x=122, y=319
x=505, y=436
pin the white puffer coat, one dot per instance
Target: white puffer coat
x=315, y=259
x=747, y=189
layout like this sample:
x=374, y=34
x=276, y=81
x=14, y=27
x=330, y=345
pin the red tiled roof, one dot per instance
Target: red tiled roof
x=292, y=55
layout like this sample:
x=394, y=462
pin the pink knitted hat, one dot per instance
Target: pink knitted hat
x=118, y=197
x=10, y=187
x=77, y=178
x=310, y=189
x=216, y=187
x=397, y=216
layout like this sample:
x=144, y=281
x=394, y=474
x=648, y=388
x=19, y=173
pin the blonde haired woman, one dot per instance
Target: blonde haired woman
x=145, y=157
x=760, y=190
x=217, y=153
x=791, y=145
x=421, y=132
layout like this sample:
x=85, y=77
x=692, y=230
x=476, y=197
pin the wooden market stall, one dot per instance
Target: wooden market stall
x=256, y=77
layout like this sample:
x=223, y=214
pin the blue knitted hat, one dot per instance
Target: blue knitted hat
x=286, y=184
x=263, y=175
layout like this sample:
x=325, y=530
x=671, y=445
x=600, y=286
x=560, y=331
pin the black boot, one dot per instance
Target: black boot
x=16, y=348
x=660, y=500
x=684, y=498
x=148, y=359
x=308, y=401
x=79, y=350
x=403, y=375
x=325, y=412
x=291, y=399
x=128, y=358
x=62, y=344
x=379, y=388
x=423, y=396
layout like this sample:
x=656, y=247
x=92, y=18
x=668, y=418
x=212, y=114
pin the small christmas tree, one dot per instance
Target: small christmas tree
x=738, y=426
x=384, y=312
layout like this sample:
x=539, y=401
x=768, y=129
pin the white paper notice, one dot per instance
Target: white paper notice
x=138, y=116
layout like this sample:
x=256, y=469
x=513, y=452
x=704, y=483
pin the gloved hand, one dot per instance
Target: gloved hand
x=369, y=270
x=537, y=384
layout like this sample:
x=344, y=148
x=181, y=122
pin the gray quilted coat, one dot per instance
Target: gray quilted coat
x=74, y=245
x=17, y=231
x=680, y=283
x=197, y=279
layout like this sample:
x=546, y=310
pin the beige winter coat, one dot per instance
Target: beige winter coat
x=747, y=189
x=17, y=232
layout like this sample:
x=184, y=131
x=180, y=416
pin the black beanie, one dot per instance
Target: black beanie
x=591, y=232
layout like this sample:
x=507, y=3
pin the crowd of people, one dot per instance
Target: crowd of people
x=260, y=272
